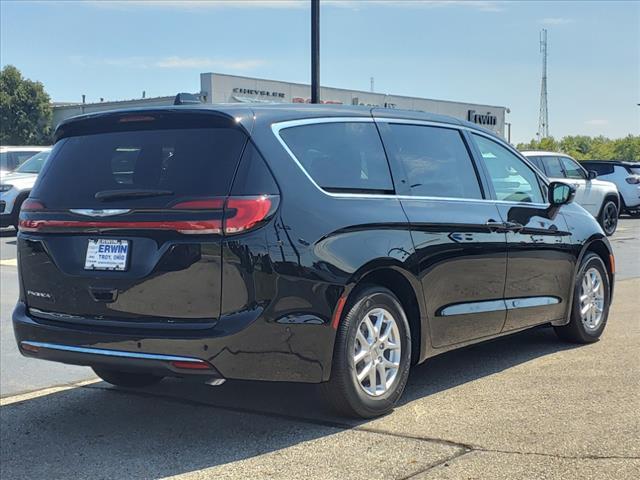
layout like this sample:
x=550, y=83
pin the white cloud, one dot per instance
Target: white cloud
x=556, y=21
x=196, y=4
x=483, y=5
x=204, y=62
x=597, y=121
x=169, y=62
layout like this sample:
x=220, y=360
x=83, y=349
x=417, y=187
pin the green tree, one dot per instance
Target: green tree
x=582, y=147
x=25, y=110
x=627, y=148
x=548, y=143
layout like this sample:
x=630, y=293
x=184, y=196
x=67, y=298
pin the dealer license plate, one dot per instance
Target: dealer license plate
x=107, y=254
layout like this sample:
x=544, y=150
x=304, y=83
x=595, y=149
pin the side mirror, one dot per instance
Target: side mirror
x=591, y=174
x=560, y=193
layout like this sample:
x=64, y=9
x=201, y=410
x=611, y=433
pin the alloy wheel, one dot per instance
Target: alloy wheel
x=610, y=218
x=377, y=352
x=592, y=299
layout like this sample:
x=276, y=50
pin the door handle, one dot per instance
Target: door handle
x=504, y=226
x=495, y=226
x=513, y=226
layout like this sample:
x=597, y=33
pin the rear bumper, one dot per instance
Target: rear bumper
x=254, y=350
x=6, y=220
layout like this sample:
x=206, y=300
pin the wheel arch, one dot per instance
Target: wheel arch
x=599, y=245
x=393, y=275
x=614, y=197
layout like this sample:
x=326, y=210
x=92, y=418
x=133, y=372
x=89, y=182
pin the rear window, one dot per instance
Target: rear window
x=181, y=163
x=345, y=156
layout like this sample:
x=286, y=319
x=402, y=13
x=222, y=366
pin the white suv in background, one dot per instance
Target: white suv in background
x=626, y=176
x=599, y=198
x=12, y=157
x=16, y=186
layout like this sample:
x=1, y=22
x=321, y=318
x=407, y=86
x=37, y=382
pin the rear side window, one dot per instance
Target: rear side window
x=537, y=161
x=344, y=156
x=180, y=163
x=553, y=167
x=435, y=161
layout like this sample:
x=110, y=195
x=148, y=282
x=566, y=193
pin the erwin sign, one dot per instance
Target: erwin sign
x=481, y=119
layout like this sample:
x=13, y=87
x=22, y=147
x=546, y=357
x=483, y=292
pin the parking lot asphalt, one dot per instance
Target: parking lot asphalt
x=523, y=406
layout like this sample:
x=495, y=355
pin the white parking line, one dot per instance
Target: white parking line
x=21, y=397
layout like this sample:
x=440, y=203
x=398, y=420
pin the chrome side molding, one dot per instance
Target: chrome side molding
x=497, y=305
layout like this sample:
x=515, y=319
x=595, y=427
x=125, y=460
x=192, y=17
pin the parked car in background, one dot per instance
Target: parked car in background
x=318, y=244
x=598, y=197
x=12, y=157
x=625, y=175
x=16, y=186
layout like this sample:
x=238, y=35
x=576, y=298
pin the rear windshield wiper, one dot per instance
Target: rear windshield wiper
x=107, y=195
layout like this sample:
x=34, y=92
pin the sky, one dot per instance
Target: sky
x=482, y=52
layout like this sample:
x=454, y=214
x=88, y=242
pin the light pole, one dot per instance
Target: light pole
x=315, y=51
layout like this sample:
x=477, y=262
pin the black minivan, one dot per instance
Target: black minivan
x=321, y=244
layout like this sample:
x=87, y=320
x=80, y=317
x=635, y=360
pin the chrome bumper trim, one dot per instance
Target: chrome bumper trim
x=111, y=353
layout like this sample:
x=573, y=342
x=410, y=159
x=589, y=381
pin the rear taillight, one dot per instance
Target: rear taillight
x=236, y=215
x=32, y=205
x=244, y=213
x=204, y=204
x=633, y=180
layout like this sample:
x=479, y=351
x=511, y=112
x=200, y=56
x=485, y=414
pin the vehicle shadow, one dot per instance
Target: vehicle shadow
x=177, y=427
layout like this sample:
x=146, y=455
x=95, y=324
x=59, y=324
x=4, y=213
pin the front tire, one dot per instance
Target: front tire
x=609, y=217
x=372, y=355
x=126, y=379
x=591, y=300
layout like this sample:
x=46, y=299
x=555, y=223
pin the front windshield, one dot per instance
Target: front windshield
x=34, y=164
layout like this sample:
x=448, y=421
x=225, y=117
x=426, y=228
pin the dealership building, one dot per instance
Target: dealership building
x=221, y=88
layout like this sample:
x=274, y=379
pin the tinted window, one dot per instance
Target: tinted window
x=537, y=161
x=21, y=157
x=513, y=180
x=553, y=167
x=198, y=162
x=600, y=168
x=345, y=156
x=435, y=160
x=35, y=163
x=4, y=161
x=572, y=168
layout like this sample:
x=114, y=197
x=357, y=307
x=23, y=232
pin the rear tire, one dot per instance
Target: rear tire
x=373, y=336
x=609, y=217
x=15, y=220
x=590, y=308
x=126, y=379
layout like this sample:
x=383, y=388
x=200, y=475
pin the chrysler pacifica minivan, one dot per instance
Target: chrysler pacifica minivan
x=319, y=244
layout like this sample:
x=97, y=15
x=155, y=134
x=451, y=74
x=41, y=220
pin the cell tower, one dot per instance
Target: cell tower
x=543, y=119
